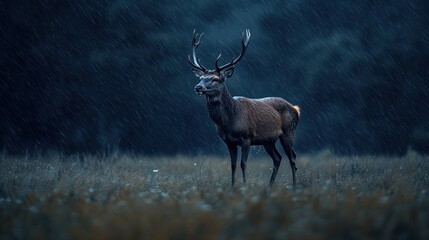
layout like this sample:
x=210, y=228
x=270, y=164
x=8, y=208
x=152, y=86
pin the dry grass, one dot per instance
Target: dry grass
x=122, y=197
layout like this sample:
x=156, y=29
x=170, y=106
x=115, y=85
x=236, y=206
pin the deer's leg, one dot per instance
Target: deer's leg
x=233, y=153
x=277, y=158
x=277, y=152
x=245, y=148
x=287, y=143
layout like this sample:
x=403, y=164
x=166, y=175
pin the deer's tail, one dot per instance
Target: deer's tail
x=298, y=110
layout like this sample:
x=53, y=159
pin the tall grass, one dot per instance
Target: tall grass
x=190, y=197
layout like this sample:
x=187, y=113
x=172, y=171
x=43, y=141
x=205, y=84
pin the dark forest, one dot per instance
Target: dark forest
x=98, y=76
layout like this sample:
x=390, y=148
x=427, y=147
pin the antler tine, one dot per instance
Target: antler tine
x=245, y=40
x=195, y=42
x=217, y=60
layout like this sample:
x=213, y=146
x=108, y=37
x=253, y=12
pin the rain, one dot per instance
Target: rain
x=109, y=82
x=91, y=77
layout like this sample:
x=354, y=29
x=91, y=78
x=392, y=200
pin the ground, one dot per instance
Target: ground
x=126, y=196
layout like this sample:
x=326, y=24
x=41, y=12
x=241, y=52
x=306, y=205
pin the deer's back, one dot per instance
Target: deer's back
x=266, y=118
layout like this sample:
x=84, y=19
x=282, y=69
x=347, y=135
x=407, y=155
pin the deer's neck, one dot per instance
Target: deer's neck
x=222, y=108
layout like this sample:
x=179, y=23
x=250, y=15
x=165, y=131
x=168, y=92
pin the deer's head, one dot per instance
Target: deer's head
x=212, y=81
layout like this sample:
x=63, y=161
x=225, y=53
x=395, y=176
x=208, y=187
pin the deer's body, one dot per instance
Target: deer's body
x=258, y=121
x=243, y=121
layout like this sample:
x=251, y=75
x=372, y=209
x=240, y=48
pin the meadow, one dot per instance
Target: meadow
x=138, y=197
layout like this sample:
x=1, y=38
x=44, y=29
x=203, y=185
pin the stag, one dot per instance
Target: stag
x=243, y=121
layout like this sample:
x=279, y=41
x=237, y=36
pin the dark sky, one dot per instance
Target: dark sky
x=94, y=76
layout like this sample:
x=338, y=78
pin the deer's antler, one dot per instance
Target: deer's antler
x=195, y=42
x=245, y=39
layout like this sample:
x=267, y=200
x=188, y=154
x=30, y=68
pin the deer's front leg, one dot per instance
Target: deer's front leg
x=233, y=153
x=245, y=148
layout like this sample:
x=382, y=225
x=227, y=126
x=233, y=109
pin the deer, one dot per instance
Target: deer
x=243, y=122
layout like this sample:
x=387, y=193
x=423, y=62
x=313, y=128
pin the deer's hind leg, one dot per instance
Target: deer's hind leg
x=277, y=158
x=287, y=142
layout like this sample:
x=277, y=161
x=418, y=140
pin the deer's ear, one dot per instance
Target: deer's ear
x=227, y=73
x=198, y=73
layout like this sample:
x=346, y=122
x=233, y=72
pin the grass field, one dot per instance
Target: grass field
x=127, y=197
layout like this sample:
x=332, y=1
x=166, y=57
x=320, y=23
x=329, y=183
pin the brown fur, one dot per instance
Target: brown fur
x=243, y=121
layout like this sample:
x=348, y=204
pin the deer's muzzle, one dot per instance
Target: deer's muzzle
x=200, y=89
